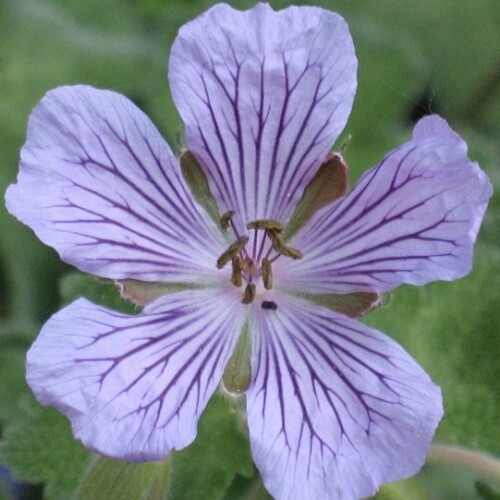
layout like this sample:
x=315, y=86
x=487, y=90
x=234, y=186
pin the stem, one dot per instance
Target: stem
x=463, y=457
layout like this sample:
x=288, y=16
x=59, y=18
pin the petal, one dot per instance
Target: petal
x=413, y=219
x=99, y=184
x=263, y=95
x=336, y=408
x=135, y=386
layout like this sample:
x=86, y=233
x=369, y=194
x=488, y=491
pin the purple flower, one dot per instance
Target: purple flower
x=335, y=408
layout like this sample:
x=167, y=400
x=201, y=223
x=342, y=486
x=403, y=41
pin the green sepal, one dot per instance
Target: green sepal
x=143, y=293
x=106, y=479
x=198, y=184
x=329, y=184
x=351, y=304
x=238, y=372
x=98, y=290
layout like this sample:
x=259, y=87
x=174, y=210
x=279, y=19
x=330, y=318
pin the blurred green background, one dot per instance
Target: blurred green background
x=415, y=57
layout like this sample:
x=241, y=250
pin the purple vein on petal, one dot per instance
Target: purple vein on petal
x=261, y=102
x=113, y=191
x=411, y=219
x=135, y=386
x=333, y=404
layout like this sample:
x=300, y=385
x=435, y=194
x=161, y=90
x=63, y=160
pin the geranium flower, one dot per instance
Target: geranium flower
x=334, y=407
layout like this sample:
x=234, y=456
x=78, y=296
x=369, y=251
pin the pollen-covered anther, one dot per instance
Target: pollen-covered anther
x=268, y=224
x=249, y=295
x=281, y=247
x=291, y=252
x=267, y=274
x=233, y=250
x=237, y=275
x=226, y=219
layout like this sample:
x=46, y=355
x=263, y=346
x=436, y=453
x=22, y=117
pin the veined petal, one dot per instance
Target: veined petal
x=135, y=386
x=263, y=95
x=335, y=408
x=99, y=184
x=413, y=219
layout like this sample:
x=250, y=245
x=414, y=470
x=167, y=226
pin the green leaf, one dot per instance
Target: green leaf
x=39, y=447
x=106, y=479
x=486, y=492
x=244, y=488
x=13, y=385
x=219, y=453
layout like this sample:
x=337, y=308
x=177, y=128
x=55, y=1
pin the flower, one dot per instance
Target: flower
x=334, y=407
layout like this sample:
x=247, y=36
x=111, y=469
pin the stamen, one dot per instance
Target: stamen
x=281, y=247
x=291, y=252
x=233, y=250
x=249, y=267
x=277, y=240
x=225, y=220
x=249, y=295
x=267, y=274
x=237, y=276
x=266, y=224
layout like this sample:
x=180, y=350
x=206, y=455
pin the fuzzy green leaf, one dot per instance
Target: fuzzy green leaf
x=220, y=452
x=40, y=448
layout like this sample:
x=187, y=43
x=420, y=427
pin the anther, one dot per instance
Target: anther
x=291, y=252
x=280, y=246
x=249, y=295
x=267, y=274
x=268, y=224
x=237, y=277
x=233, y=250
x=277, y=240
x=226, y=219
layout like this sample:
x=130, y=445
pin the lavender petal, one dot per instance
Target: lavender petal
x=335, y=408
x=412, y=219
x=263, y=95
x=134, y=387
x=99, y=184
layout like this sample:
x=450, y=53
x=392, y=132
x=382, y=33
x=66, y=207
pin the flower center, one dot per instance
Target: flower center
x=251, y=263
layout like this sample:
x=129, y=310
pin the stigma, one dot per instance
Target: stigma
x=252, y=255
